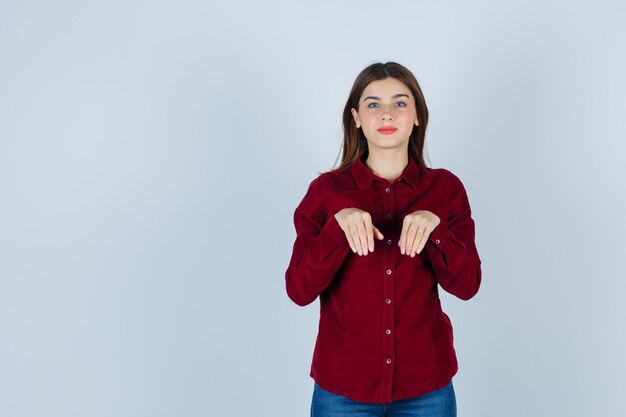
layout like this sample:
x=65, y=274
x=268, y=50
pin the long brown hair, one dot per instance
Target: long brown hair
x=354, y=141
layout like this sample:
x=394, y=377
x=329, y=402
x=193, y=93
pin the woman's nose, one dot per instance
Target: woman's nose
x=386, y=112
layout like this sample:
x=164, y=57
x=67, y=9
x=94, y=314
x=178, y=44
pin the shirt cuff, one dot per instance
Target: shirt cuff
x=435, y=247
x=440, y=236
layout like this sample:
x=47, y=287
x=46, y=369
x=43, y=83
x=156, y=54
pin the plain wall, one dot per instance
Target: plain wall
x=152, y=155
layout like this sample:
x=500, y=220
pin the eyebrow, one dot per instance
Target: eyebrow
x=394, y=96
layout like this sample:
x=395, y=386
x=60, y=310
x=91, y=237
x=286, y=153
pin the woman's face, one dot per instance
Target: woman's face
x=386, y=103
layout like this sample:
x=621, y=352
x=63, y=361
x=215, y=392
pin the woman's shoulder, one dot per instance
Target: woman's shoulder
x=441, y=177
x=443, y=173
x=335, y=179
x=323, y=182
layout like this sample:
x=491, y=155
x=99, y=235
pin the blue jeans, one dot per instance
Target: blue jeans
x=437, y=403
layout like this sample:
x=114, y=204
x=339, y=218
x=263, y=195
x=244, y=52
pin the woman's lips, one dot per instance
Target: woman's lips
x=387, y=130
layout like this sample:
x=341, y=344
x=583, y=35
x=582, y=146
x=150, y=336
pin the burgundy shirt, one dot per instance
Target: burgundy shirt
x=382, y=333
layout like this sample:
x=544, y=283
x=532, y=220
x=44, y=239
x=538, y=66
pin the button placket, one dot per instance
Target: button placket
x=389, y=255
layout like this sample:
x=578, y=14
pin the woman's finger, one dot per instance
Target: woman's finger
x=413, y=235
x=353, y=238
x=403, y=235
x=362, y=237
x=414, y=241
x=419, y=236
x=424, y=239
x=369, y=231
x=410, y=237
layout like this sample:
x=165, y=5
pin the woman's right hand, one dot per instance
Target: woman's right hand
x=359, y=230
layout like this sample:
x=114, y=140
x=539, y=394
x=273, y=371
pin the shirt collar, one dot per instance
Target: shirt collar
x=364, y=176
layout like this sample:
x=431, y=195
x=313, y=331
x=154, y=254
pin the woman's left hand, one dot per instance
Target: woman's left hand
x=416, y=227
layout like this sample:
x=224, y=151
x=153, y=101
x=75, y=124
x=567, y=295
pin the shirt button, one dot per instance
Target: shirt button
x=387, y=190
x=388, y=300
x=437, y=241
x=389, y=241
x=388, y=331
x=388, y=361
x=388, y=216
x=389, y=272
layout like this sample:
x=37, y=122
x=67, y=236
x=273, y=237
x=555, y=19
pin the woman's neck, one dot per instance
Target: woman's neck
x=387, y=165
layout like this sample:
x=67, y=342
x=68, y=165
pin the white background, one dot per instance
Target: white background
x=152, y=155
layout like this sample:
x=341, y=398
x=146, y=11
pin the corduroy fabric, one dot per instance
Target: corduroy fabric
x=382, y=333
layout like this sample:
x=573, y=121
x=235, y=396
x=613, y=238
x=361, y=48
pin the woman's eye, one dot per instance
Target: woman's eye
x=398, y=104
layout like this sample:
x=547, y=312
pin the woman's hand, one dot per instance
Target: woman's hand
x=416, y=227
x=359, y=230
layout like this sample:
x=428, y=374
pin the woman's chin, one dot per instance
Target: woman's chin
x=387, y=144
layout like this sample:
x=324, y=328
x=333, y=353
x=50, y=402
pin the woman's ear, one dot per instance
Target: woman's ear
x=417, y=122
x=356, y=117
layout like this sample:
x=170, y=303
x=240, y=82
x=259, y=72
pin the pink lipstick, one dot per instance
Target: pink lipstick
x=387, y=130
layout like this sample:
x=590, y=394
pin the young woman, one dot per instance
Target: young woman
x=375, y=238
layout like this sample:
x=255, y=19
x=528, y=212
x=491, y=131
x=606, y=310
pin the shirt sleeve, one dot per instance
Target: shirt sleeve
x=451, y=246
x=319, y=249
